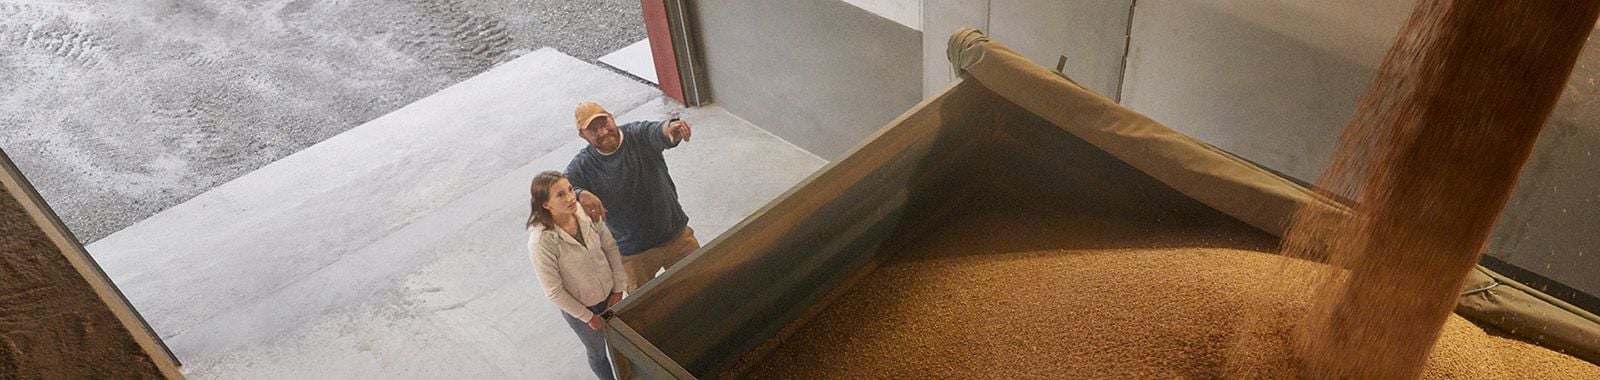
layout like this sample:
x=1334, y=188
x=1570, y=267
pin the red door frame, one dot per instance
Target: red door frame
x=659, y=31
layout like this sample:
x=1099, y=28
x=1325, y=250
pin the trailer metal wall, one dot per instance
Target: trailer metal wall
x=822, y=74
x=60, y=317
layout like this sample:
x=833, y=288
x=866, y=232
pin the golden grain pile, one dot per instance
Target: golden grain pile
x=1000, y=293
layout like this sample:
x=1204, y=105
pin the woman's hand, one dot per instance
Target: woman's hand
x=613, y=300
x=594, y=322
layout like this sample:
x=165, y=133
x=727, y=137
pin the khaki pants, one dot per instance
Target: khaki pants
x=642, y=267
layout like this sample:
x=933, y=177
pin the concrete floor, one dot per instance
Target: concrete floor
x=396, y=249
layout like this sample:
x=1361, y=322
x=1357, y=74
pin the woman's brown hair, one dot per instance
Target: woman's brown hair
x=540, y=190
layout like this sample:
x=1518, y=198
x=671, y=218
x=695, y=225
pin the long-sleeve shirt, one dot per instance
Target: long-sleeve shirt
x=641, y=199
x=576, y=275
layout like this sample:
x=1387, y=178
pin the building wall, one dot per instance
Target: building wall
x=1267, y=80
x=1552, y=224
x=940, y=19
x=1090, y=33
x=822, y=74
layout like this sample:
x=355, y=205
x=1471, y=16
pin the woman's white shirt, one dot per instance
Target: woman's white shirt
x=575, y=275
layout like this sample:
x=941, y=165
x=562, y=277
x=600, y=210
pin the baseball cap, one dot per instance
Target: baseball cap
x=587, y=112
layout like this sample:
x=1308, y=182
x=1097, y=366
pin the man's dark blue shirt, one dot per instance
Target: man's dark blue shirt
x=640, y=199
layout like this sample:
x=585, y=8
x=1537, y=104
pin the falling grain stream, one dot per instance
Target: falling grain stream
x=1430, y=159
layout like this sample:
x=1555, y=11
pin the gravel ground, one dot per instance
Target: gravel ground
x=117, y=110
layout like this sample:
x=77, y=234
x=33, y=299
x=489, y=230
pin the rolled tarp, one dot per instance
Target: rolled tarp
x=1239, y=188
x=1491, y=298
x=1196, y=169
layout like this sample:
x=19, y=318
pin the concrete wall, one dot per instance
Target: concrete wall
x=1271, y=81
x=905, y=12
x=822, y=74
x=939, y=20
x=1552, y=225
x=1090, y=33
x=54, y=322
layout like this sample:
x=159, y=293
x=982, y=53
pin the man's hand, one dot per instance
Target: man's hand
x=591, y=203
x=594, y=322
x=613, y=299
x=677, y=130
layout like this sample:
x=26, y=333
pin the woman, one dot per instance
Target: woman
x=577, y=262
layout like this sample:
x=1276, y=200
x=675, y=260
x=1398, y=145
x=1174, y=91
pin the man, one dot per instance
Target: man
x=623, y=166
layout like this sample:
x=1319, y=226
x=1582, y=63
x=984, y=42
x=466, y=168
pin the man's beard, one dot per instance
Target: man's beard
x=609, y=144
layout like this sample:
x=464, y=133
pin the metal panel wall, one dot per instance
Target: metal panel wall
x=822, y=74
x=1090, y=33
x=60, y=316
